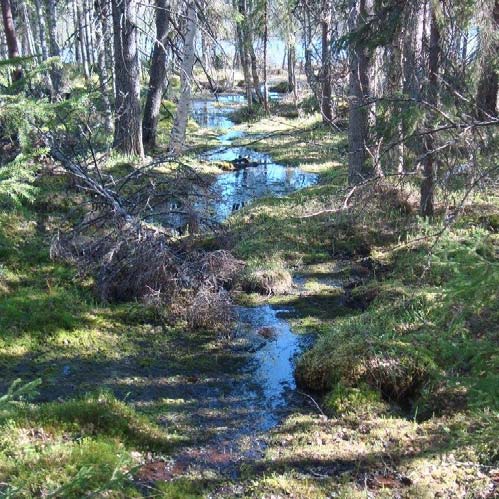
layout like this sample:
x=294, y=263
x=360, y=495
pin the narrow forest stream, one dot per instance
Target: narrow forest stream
x=263, y=390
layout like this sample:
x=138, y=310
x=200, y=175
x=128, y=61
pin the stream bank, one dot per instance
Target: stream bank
x=261, y=391
x=123, y=392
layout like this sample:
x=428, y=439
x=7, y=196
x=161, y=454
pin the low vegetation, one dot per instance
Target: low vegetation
x=223, y=278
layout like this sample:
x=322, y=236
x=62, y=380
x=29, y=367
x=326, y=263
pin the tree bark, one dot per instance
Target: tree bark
x=89, y=45
x=358, y=128
x=42, y=30
x=265, y=42
x=308, y=42
x=54, y=49
x=177, y=139
x=82, y=43
x=157, y=79
x=488, y=85
x=326, y=109
x=428, y=183
x=243, y=52
x=292, y=85
x=30, y=39
x=101, y=65
x=128, y=126
x=11, y=37
x=76, y=34
x=254, y=66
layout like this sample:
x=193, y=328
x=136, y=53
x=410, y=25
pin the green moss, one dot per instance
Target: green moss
x=359, y=401
x=180, y=489
x=266, y=277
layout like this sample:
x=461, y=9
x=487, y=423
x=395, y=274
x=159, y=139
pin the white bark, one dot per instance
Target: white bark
x=177, y=138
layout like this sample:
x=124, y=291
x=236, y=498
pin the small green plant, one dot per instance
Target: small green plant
x=19, y=392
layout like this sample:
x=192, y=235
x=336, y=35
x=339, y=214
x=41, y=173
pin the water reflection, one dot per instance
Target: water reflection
x=232, y=191
x=272, y=364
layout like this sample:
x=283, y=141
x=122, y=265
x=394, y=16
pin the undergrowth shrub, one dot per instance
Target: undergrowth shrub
x=430, y=335
x=210, y=310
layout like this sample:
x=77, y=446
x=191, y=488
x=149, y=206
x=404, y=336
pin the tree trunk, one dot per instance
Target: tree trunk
x=128, y=127
x=428, y=183
x=76, y=34
x=254, y=67
x=30, y=40
x=89, y=46
x=54, y=50
x=243, y=52
x=83, y=43
x=101, y=66
x=291, y=66
x=177, y=138
x=358, y=127
x=265, y=42
x=292, y=72
x=157, y=79
x=42, y=30
x=326, y=109
x=486, y=99
x=11, y=37
x=309, y=70
x=108, y=41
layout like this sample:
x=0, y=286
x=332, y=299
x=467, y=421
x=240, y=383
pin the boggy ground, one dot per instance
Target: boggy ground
x=403, y=376
x=405, y=367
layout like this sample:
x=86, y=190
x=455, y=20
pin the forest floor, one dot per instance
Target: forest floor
x=405, y=367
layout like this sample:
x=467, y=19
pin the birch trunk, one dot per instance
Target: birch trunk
x=177, y=139
x=292, y=69
x=102, y=68
x=265, y=42
x=326, y=109
x=82, y=43
x=243, y=52
x=54, y=49
x=254, y=67
x=42, y=29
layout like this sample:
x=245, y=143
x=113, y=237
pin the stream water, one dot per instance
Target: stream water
x=233, y=190
x=264, y=390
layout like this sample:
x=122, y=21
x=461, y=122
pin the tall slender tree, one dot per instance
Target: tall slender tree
x=158, y=75
x=128, y=123
x=54, y=49
x=243, y=48
x=177, y=138
x=488, y=85
x=11, y=36
x=432, y=95
x=100, y=15
x=326, y=108
x=358, y=127
x=42, y=29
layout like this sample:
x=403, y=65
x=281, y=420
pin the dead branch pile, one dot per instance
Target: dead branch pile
x=130, y=259
x=138, y=261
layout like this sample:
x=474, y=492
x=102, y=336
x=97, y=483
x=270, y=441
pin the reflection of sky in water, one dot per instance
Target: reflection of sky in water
x=214, y=113
x=272, y=364
x=237, y=189
x=233, y=190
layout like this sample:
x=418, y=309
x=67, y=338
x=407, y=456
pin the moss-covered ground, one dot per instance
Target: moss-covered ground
x=405, y=369
x=403, y=376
